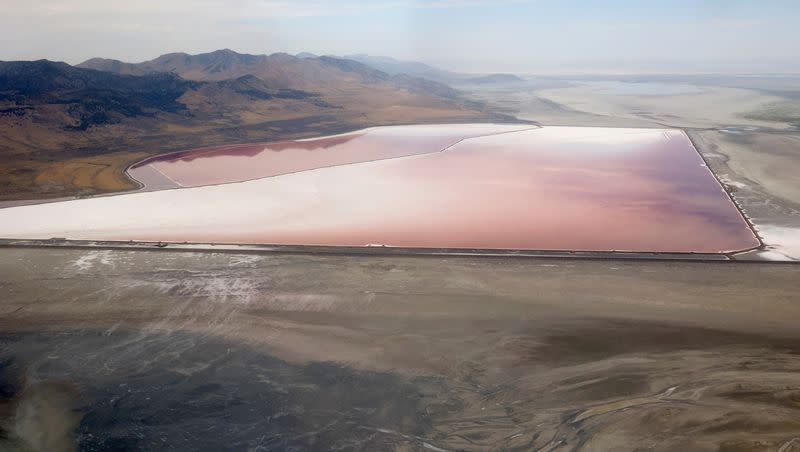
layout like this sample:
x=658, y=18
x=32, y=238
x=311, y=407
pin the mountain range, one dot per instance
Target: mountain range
x=394, y=66
x=278, y=71
x=415, y=68
x=72, y=130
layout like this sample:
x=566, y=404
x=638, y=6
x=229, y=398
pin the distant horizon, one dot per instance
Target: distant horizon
x=587, y=73
x=470, y=36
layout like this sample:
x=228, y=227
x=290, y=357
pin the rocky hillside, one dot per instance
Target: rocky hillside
x=68, y=130
x=279, y=71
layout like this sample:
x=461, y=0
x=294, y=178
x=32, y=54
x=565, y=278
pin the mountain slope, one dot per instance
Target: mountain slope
x=116, y=66
x=90, y=97
x=278, y=71
x=394, y=66
x=71, y=131
x=496, y=78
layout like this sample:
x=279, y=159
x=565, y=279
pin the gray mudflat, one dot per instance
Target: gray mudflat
x=136, y=350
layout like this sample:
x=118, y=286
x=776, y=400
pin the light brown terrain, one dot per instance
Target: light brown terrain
x=48, y=161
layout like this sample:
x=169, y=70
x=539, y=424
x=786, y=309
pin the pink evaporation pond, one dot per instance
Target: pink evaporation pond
x=235, y=163
x=550, y=188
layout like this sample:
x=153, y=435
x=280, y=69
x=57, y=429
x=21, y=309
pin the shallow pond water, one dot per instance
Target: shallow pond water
x=240, y=162
x=549, y=188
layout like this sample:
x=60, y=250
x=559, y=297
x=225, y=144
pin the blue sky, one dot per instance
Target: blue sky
x=526, y=36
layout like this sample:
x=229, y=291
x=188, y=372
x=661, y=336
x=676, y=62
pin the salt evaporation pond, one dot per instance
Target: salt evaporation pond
x=242, y=162
x=493, y=187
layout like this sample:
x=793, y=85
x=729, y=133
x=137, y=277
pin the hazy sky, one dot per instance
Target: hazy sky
x=526, y=36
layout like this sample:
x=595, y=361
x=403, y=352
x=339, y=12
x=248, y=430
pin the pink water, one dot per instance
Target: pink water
x=233, y=163
x=552, y=188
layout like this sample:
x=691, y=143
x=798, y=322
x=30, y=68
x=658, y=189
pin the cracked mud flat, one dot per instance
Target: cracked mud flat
x=137, y=350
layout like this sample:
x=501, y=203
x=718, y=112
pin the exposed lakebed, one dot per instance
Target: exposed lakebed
x=141, y=350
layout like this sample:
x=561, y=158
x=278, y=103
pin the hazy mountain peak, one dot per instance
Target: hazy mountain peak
x=111, y=65
x=172, y=56
x=394, y=66
x=282, y=71
x=496, y=78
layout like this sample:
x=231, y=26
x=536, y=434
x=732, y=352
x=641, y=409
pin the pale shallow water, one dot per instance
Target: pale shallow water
x=618, y=88
x=551, y=188
x=235, y=163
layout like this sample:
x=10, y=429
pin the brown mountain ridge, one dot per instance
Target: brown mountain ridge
x=72, y=130
x=279, y=71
